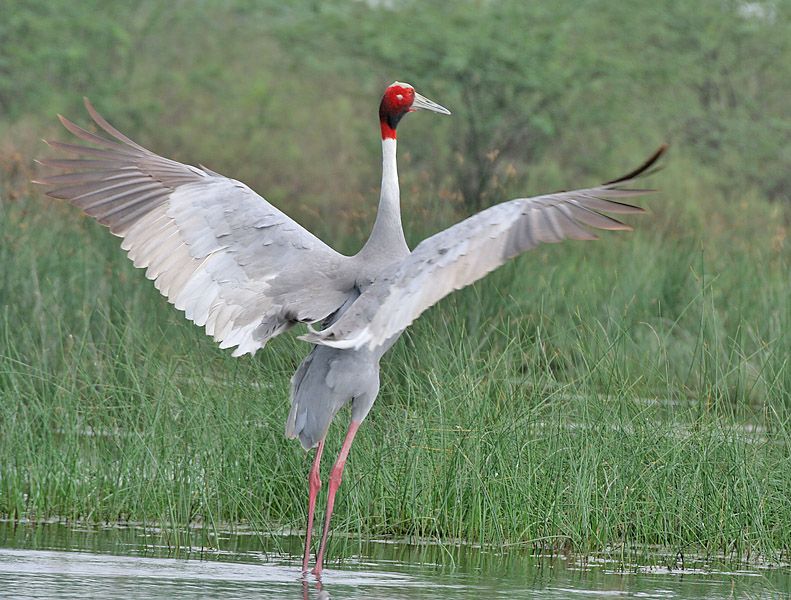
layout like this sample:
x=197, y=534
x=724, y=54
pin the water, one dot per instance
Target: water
x=61, y=561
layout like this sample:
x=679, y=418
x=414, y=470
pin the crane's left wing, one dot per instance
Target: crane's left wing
x=464, y=253
x=220, y=252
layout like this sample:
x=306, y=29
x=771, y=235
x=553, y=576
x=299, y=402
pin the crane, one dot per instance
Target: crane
x=244, y=270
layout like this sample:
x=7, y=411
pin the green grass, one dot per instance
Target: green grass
x=590, y=396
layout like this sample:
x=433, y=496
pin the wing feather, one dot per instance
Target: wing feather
x=469, y=250
x=231, y=261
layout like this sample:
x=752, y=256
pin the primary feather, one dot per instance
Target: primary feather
x=464, y=253
x=219, y=252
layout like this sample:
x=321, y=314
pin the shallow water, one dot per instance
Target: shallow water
x=62, y=561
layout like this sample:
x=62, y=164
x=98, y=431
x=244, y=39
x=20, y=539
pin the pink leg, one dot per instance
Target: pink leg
x=335, y=482
x=315, y=486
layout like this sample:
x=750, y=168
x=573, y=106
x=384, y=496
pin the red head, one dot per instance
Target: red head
x=399, y=99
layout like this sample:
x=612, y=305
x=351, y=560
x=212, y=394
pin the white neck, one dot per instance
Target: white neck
x=388, y=234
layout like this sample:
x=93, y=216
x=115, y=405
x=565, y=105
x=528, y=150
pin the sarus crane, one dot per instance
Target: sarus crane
x=244, y=270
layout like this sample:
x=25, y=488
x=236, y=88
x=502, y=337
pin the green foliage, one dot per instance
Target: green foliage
x=635, y=390
x=542, y=93
x=555, y=404
x=49, y=47
x=576, y=82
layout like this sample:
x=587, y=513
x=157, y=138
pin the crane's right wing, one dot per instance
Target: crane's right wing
x=220, y=252
x=469, y=250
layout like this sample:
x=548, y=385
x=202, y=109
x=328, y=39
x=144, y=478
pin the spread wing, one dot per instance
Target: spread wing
x=469, y=250
x=217, y=250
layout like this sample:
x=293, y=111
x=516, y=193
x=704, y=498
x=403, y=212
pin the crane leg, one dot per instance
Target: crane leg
x=315, y=485
x=335, y=481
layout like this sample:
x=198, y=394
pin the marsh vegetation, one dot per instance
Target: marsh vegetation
x=588, y=396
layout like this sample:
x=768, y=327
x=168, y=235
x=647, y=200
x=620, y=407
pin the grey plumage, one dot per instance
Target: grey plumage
x=217, y=250
x=245, y=271
x=462, y=254
x=325, y=381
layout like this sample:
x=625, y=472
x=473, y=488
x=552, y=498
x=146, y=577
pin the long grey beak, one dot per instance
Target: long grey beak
x=421, y=102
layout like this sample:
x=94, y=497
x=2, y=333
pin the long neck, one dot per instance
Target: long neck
x=388, y=234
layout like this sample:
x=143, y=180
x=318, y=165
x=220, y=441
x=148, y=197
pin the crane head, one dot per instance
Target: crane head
x=399, y=99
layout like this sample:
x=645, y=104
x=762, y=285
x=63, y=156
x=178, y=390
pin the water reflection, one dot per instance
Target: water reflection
x=77, y=562
x=321, y=593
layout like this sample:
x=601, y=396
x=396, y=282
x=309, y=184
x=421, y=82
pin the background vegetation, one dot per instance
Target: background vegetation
x=588, y=396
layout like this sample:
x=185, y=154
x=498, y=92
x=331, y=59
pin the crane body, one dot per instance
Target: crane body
x=245, y=271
